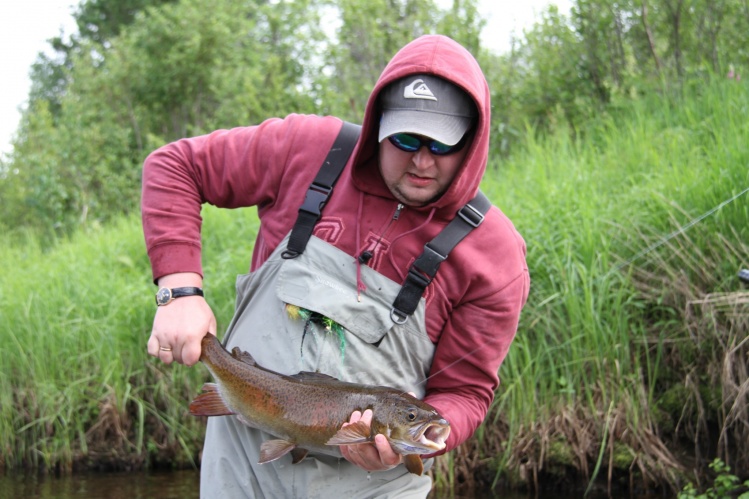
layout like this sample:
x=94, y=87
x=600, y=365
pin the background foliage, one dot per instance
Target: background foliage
x=140, y=73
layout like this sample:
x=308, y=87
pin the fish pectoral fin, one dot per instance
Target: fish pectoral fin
x=209, y=403
x=414, y=464
x=298, y=454
x=270, y=450
x=356, y=433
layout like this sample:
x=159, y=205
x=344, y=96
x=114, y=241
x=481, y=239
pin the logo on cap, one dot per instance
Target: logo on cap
x=418, y=90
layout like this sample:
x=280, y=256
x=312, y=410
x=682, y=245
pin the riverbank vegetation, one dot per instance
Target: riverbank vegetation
x=622, y=161
x=629, y=365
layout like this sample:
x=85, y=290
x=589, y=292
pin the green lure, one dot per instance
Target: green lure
x=312, y=317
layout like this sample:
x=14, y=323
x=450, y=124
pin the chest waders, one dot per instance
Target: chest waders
x=382, y=341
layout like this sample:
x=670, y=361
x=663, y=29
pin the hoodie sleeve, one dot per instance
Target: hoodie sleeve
x=477, y=334
x=229, y=169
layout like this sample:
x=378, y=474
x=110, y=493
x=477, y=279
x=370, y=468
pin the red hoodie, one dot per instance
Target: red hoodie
x=473, y=305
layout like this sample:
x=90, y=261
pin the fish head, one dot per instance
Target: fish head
x=415, y=427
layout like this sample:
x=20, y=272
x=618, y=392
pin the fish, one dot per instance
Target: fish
x=306, y=411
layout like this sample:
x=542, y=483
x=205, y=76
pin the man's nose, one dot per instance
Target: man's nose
x=423, y=158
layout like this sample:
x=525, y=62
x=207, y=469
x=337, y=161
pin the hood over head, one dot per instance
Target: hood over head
x=423, y=59
x=426, y=105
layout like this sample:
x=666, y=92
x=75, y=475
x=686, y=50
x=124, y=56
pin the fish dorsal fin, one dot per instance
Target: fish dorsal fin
x=243, y=356
x=356, y=433
x=270, y=450
x=414, y=464
x=312, y=376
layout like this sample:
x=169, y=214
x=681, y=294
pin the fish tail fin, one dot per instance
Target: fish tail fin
x=209, y=403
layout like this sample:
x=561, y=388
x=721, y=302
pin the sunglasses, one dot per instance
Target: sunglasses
x=412, y=143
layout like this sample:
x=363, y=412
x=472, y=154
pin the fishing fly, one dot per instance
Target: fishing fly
x=312, y=318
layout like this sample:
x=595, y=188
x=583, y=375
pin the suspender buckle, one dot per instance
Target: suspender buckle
x=418, y=279
x=471, y=215
x=315, y=199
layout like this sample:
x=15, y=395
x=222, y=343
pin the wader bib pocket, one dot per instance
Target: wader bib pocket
x=364, y=345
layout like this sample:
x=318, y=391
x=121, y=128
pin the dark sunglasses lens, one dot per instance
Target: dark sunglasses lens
x=405, y=142
x=439, y=148
x=409, y=143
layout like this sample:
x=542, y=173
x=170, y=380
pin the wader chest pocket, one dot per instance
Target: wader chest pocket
x=323, y=280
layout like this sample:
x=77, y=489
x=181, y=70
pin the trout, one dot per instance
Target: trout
x=306, y=411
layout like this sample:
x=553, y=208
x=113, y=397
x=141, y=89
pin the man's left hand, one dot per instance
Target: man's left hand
x=377, y=456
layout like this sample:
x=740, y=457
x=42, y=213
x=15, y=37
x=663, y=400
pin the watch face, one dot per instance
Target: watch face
x=163, y=296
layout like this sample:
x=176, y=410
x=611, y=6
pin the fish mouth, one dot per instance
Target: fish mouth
x=432, y=435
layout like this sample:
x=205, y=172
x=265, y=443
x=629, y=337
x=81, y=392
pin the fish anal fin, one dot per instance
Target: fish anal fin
x=414, y=464
x=243, y=356
x=356, y=433
x=210, y=387
x=270, y=450
x=298, y=454
x=209, y=403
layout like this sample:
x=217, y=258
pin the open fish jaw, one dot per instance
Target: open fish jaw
x=435, y=434
x=425, y=438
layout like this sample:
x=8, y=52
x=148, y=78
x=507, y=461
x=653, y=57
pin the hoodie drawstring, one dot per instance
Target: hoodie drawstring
x=391, y=253
x=360, y=286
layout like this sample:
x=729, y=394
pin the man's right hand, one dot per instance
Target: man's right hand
x=179, y=327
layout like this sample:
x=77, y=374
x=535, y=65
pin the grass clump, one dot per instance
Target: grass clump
x=77, y=388
x=630, y=347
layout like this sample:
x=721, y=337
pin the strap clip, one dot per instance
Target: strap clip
x=315, y=199
x=471, y=215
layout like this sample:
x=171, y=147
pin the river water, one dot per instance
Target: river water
x=182, y=484
x=136, y=485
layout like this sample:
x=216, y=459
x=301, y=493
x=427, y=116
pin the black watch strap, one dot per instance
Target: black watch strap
x=165, y=296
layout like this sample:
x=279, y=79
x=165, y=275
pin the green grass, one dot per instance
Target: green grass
x=606, y=329
x=618, y=369
x=77, y=385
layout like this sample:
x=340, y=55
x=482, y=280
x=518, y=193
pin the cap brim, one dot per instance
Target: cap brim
x=440, y=127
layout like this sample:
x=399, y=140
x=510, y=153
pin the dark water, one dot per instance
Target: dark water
x=139, y=485
x=176, y=484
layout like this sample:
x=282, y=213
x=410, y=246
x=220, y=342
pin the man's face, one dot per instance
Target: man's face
x=417, y=178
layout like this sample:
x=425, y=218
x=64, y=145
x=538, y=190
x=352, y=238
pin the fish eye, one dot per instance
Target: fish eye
x=411, y=415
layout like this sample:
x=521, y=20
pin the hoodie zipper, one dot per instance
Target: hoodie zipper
x=397, y=214
x=366, y=256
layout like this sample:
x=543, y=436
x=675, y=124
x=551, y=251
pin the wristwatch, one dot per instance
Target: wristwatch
x=164, y=296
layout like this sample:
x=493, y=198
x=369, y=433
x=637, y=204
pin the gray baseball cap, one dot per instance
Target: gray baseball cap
x=426, y=105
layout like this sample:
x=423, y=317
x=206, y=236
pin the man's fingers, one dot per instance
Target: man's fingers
x=366, y=417
x=388, y=456
x=355, y=417
x=153, y=346
x=190, y=353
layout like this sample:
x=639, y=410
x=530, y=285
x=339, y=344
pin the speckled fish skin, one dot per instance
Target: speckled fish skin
x=306, y=411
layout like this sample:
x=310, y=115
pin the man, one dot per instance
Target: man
x=420, y=157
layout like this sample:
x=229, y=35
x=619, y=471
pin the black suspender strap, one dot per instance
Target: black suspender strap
x=425, y=267
x=320, y=189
